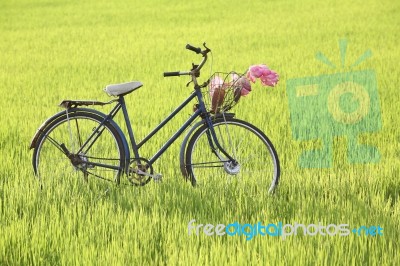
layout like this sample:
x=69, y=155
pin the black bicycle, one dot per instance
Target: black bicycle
x=219, y=147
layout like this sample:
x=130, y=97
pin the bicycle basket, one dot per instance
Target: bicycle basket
x=223, y=91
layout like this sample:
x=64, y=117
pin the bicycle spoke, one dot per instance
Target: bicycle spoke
x=78, y=133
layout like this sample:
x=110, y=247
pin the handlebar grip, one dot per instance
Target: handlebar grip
x=171, y=74
x=192, y=48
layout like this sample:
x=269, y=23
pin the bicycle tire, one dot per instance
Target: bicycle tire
x=239, y=139
x=72, y=128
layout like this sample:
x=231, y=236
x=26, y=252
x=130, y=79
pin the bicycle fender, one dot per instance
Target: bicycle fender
x=42, y=128
x=182, y=153
x=46, y=124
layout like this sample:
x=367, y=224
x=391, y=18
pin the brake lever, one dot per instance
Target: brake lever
x=206, y=50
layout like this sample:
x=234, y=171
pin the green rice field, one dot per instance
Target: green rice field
x=51, y=50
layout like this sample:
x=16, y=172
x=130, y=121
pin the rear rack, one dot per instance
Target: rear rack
x=74, y=103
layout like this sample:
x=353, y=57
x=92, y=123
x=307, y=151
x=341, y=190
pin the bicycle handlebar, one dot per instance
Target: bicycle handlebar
x=171, y=74
x=194, y=49
x=195, y=72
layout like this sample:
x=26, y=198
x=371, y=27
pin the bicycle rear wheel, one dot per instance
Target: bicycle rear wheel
x=256, y=164
x=102, y=157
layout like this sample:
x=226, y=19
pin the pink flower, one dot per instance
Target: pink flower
x=244, y=85
x=234, y=77
x=216, y=83
x=241, y=83
x=267, y=76
x=270, y=79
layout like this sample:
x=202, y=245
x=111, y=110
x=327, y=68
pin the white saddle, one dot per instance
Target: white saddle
x=123, y=88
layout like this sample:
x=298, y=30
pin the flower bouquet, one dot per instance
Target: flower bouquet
x=226, y=89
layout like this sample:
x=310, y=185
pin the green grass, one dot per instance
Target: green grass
x=55, y=50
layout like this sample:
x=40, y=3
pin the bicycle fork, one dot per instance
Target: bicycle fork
x=217, y=148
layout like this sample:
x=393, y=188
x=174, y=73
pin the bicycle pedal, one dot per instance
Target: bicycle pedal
x=157, y=177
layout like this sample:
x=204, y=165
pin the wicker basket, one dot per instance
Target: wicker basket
x=223, y=91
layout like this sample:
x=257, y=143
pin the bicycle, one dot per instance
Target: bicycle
x=87, y=142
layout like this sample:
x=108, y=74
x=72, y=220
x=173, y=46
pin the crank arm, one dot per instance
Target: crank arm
x=156, y=177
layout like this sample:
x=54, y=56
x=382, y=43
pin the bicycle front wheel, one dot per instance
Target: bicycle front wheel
x=102, y=155
x=255, y=164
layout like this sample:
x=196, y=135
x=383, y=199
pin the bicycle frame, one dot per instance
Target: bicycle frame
x=201, y=111
x=136, y=146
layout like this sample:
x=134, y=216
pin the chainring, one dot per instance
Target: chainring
x=140, y=171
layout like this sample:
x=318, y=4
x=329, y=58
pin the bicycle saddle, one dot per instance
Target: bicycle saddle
x=123, y=88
